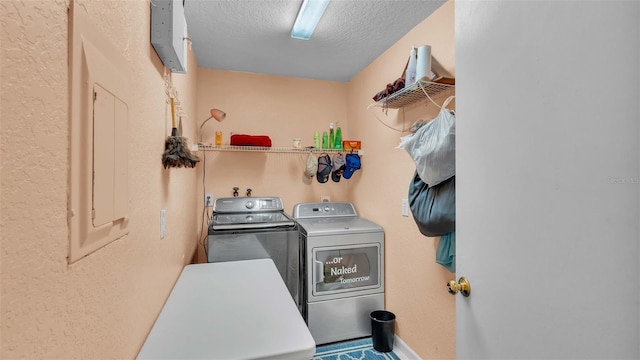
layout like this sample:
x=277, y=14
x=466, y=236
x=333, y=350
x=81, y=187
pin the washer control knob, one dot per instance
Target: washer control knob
x=249, y=205
x=327, y=208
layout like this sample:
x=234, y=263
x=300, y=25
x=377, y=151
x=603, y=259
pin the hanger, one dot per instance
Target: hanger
x=444, y=104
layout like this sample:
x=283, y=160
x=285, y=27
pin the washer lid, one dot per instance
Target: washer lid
x=337, y=225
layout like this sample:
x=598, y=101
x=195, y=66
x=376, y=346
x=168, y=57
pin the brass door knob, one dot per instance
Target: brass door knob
x=461, y=286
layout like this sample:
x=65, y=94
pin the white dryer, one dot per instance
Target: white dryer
x=342, y=256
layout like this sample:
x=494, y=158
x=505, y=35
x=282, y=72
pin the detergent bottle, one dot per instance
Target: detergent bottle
x=332, y=139
x=338, y=144
x=410, y=75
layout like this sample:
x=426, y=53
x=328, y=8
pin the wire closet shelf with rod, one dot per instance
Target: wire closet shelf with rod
x=419, y=91
x=261, y=149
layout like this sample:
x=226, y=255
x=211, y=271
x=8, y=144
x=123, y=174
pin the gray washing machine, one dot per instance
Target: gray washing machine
x=342, y=256
x=247, y=228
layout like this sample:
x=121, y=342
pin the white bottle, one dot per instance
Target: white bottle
x=410, y=75
x=423, y=69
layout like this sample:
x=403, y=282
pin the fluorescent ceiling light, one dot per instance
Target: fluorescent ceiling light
x=308, y=17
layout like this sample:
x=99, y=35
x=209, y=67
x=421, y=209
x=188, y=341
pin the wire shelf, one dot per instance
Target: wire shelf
x=413, y=94
x=261, y=149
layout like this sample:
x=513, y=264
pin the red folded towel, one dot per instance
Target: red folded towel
x=250, y=140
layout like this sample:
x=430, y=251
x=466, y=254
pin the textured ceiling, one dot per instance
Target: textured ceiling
x=255, y=35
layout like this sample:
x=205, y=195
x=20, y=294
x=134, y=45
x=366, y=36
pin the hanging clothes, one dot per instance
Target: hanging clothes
x=446, y=251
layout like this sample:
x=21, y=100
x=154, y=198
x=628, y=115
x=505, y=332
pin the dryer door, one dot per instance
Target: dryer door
x=343, y=270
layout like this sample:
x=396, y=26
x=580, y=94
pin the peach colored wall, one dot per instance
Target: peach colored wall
x=104, y=305
x=282, y=108
x=415, y=284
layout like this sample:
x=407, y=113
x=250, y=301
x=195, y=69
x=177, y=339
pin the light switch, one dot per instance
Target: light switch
x=163, y=223
x=405, y=207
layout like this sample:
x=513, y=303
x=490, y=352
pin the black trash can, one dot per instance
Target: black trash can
x=382, y=330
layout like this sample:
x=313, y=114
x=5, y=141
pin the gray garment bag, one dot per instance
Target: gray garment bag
x=433, y=208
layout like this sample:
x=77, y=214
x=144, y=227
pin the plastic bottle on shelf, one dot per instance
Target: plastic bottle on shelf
x=316, y=140
x=423, y=67
x=332, y=138
x=338, y=144
x=325, y=140
x=410, y=75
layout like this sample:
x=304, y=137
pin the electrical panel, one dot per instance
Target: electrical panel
x=99, y=137
x=169, y=33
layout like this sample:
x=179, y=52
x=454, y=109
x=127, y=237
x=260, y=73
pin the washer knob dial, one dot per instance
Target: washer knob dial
x=327, y=208
x=249, y=205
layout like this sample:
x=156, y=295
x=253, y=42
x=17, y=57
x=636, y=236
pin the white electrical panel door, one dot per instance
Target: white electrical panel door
x=99, y=195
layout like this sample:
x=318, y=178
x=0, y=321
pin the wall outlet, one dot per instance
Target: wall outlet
x=405, y=207
x=208, y=199
x=163, y=223
x=325, y=198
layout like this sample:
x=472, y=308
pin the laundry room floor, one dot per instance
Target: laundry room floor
x=356, y=349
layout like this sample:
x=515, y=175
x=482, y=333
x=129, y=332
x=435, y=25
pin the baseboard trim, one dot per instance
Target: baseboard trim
x=403, y=350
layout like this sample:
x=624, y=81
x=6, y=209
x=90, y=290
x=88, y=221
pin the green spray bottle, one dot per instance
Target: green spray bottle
x=338, y=144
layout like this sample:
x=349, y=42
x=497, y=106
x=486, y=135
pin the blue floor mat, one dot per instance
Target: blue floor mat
x=357, y=349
